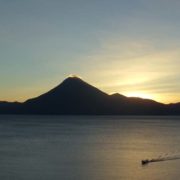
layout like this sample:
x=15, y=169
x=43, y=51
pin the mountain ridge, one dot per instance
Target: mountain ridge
x=76, y=97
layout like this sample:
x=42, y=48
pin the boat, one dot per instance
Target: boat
x=146, y=161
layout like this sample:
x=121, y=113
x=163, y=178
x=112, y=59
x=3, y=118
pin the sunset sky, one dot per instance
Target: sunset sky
x=127, y=46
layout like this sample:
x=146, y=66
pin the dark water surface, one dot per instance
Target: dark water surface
x=88, y=148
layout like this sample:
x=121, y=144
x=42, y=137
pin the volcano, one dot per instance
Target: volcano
x=76, y=97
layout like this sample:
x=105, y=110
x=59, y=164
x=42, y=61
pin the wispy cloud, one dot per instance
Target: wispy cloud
x=127, y=66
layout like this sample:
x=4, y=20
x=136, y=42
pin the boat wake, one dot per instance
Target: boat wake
x=160, y=158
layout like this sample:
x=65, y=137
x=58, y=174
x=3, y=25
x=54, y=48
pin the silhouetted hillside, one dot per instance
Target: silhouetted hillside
x=76, y=97
x=10, y=108
x=173, y=109
x=72, y=96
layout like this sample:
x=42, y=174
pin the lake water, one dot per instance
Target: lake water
x=88, y=147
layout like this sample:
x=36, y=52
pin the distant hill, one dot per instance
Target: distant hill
x=10, y=108
x=76, y=97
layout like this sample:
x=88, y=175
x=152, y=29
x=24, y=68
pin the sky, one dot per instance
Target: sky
x=131, y=47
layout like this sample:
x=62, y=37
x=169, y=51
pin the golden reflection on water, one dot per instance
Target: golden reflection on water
x=88, y=148
x=118, y=153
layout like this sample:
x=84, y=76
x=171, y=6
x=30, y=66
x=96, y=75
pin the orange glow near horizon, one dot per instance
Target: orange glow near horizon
x=139, y=94
x=130, y=89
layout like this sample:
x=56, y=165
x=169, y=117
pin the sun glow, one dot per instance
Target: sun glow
x=139, y=94
x=74, y=76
